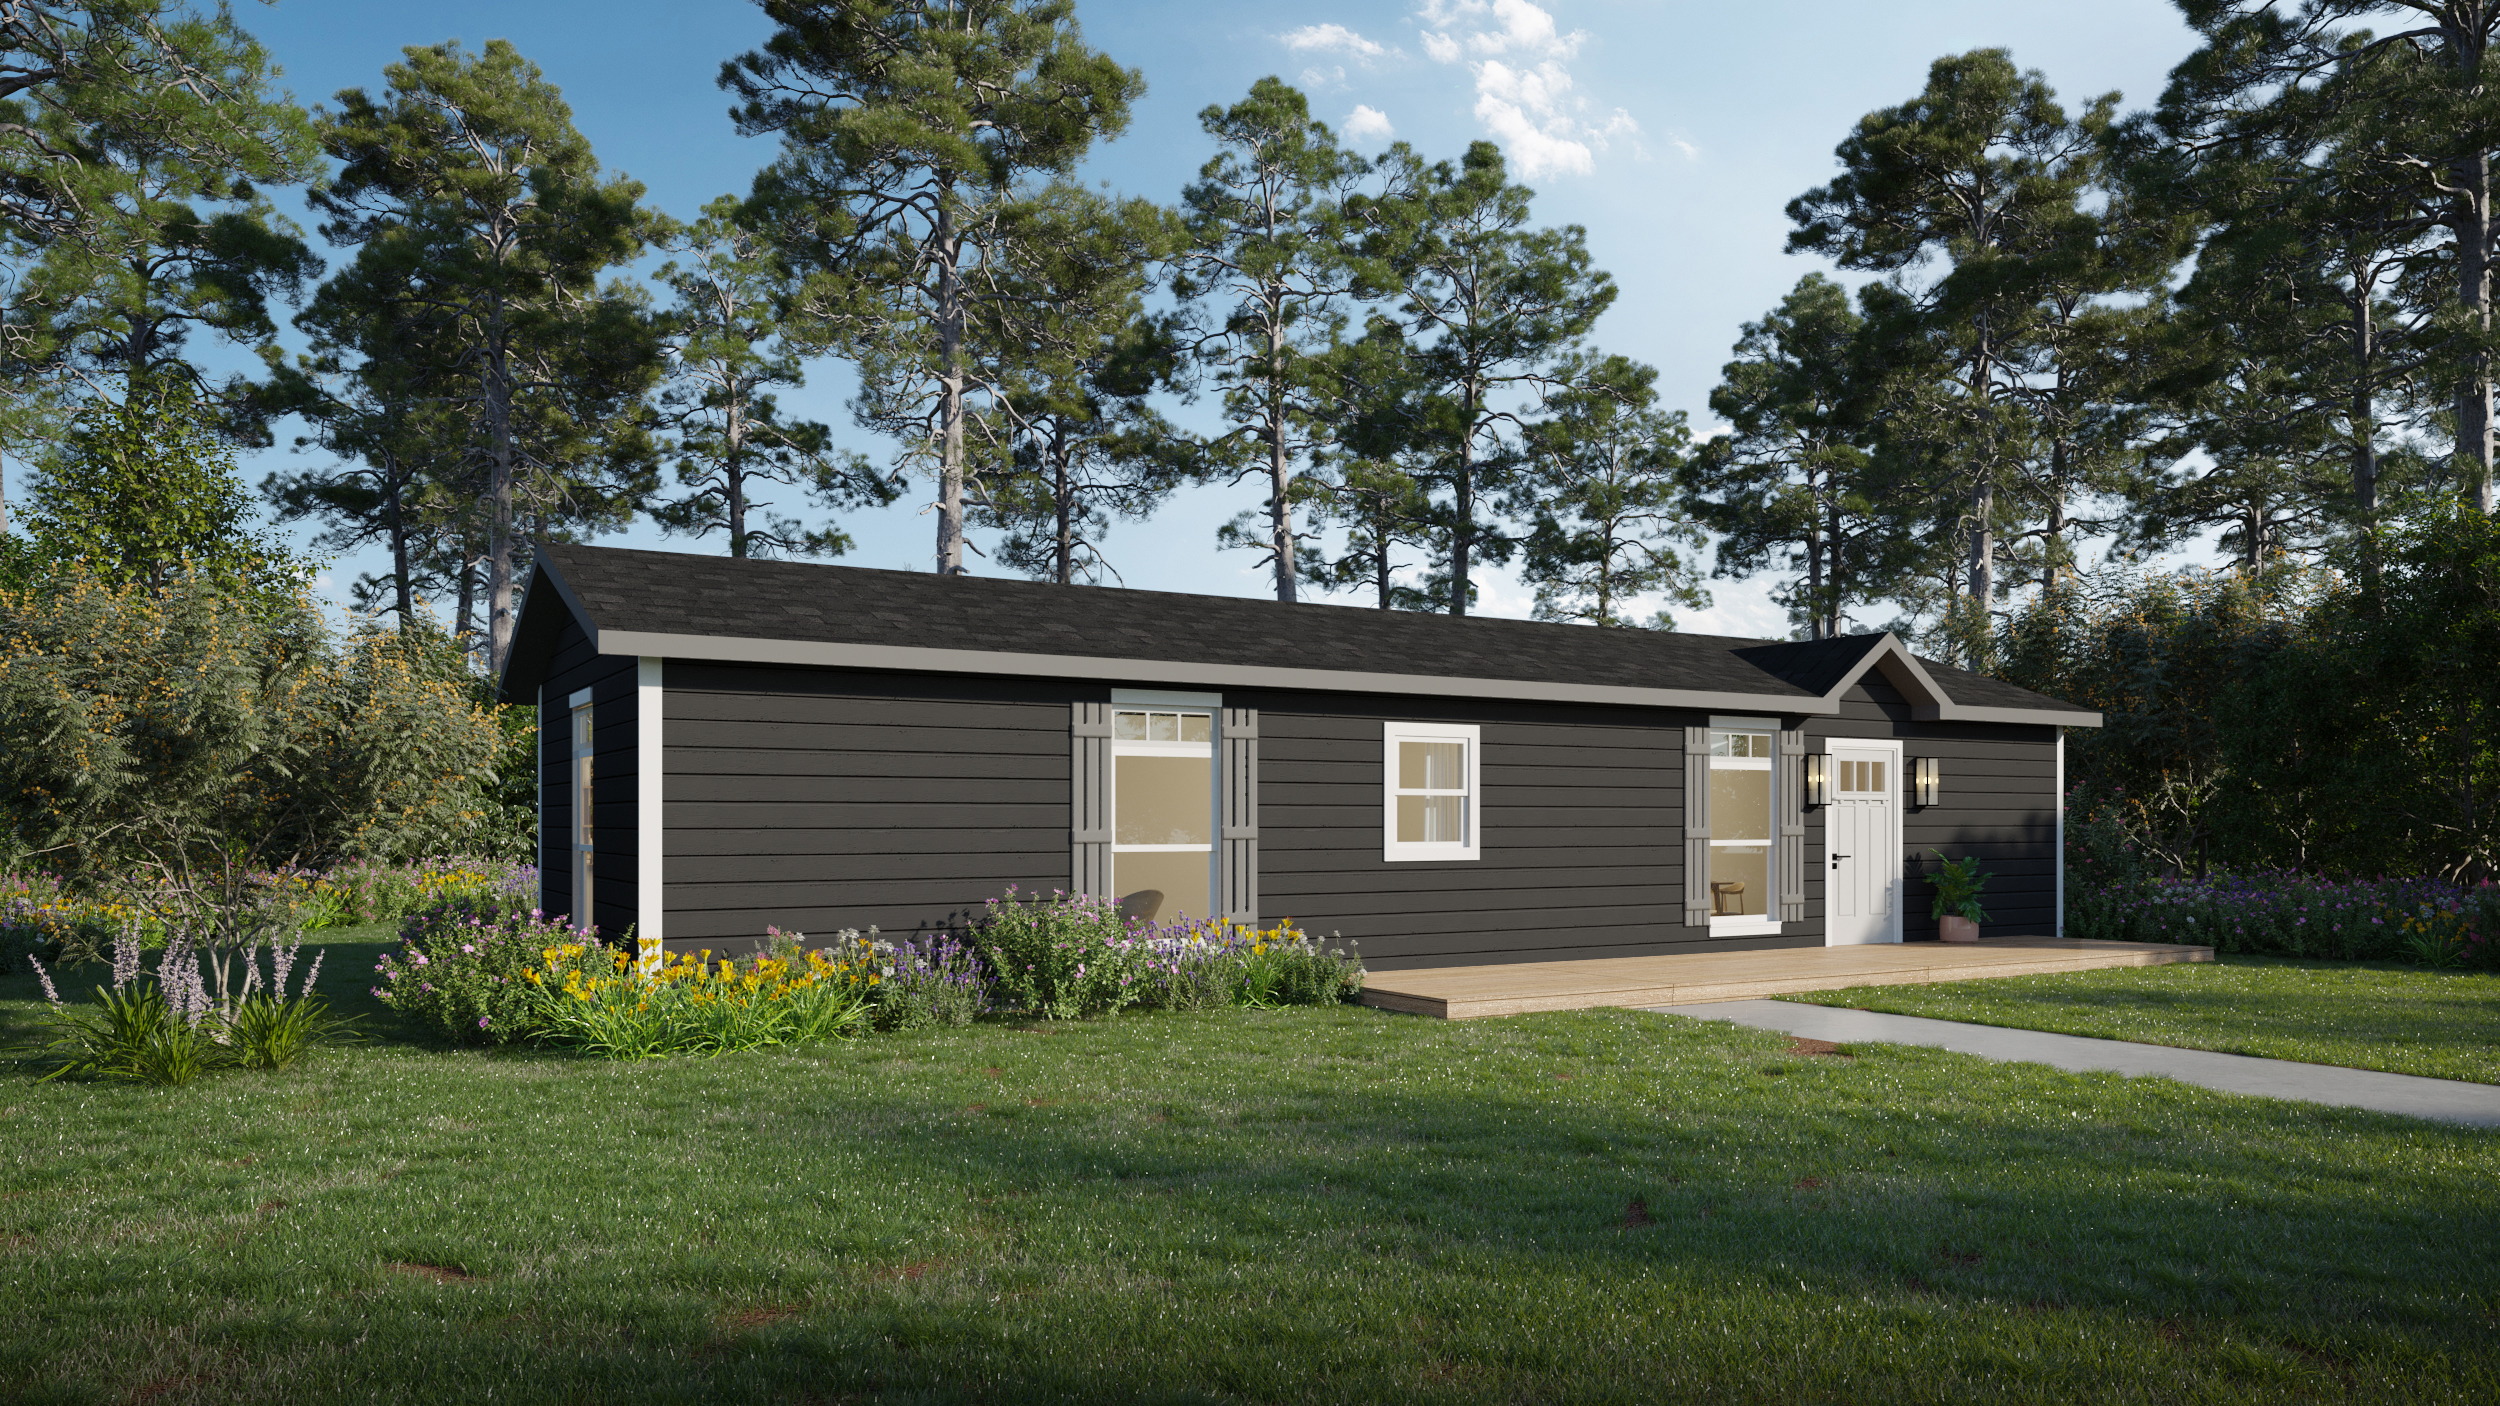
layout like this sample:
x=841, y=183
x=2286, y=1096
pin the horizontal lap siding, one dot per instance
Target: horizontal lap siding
x=1582, y=817
x=814, y=800
x=1998, y=801
x=613, y=780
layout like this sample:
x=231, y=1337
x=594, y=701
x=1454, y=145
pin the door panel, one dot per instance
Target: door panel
x=1862, y=848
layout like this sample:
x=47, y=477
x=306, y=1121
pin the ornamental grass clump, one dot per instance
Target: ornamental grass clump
x=165, y=1028
x=597, y=1000
x=1063, y=957
x=464, y=965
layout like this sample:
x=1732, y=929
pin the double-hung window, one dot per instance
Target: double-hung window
x=1432, y=803
x=1163, y=811
x=1740, y=824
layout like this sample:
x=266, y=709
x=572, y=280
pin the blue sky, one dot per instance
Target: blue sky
x=1675, y=132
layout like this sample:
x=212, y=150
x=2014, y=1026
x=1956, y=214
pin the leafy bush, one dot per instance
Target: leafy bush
x=41, y=917
x=464, y=967
x=2293, y=915
x=1062, y=957
x=593, y=999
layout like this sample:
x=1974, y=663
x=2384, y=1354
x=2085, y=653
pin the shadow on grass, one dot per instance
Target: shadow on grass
x=1326, y=1205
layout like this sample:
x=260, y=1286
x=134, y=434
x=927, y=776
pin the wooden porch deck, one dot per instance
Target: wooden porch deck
x=1460, y=993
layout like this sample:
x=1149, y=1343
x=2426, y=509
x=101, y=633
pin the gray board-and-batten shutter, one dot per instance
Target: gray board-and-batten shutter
x=1697, y=827
x=1788, y=787
x=1089, y=800
x=1238, y=860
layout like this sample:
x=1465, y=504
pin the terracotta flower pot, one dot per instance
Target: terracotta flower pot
x=1955, y=929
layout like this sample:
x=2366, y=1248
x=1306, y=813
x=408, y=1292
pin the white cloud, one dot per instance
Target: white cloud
x=1333, y=39
x=1527, y=103
x=1368, y=124
x=1324, y=77
x=1691, y=152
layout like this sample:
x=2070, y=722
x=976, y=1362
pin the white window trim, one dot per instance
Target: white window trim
x=650, y=811
x=1761, y=924
x=1391, y=848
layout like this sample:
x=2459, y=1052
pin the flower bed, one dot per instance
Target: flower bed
x=2414, y=920
x=1070, y=956
x=365, y=891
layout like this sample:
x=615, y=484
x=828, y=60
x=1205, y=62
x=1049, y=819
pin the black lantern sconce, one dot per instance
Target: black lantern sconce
x=1926, y=781
x=1818, y=778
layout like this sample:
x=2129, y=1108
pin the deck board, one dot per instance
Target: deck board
x=1463, y=993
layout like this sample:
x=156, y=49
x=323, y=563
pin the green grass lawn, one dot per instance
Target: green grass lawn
x=1324, y=1205
x=2365, y=1015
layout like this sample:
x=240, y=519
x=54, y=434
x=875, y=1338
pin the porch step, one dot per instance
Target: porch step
x=1515, y=988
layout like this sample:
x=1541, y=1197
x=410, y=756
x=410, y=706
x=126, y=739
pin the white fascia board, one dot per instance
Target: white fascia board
x=1972, y=713
x=1178, y=673
x=1930, y=704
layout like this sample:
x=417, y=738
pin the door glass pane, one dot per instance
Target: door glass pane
x=1178, y=881
x=1431, y=820
x=1432, y=766
x=1878, y=783
x=1740, y=880
x=1164, y=800
x=1740, y=805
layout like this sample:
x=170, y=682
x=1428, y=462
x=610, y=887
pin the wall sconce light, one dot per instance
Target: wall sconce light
x=1818, y=778
x=1926, y=782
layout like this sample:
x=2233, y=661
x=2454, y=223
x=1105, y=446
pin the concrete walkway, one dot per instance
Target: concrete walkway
x=2444, y=1100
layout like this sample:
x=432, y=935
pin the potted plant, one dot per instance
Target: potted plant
x=1957, y=911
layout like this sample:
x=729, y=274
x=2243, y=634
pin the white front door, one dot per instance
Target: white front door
x=1862, y=883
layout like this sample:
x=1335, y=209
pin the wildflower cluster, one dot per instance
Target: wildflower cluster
x=41, y=917
x=600, y=1001
x=1071, y=955
x=464, y=965
x=371, y=891
x=2430, y=921
x=165, y=1028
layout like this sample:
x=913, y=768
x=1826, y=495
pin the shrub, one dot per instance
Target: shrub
x=2293, y=915
x=1061, y=957
x=464, y=965
x=41, y=917
x=593, y=999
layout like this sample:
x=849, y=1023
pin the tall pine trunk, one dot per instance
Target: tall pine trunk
x=950, y=318
x=2472, y=221
x=1279, y=466
x=495, y=388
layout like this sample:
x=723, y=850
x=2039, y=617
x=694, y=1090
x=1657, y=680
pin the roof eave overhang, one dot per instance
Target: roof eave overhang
x=1176, y=672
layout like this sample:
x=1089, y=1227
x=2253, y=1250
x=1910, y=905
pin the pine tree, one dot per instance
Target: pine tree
x=728, y=349
x=1270, y=259
x=1600, y=488
x=910, y=132
x=467, y=188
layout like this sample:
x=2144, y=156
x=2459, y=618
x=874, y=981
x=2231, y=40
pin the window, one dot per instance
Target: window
x=581, y=810
x=1431, y=802
x=1740, y=824
x=1163, y=812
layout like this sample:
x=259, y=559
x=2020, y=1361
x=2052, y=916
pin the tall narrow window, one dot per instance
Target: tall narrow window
x=1163, y=812
x=581, y=815
x=1740, y=827
x=1430, y=802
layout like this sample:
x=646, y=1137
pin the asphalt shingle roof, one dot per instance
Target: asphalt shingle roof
x=636, y=591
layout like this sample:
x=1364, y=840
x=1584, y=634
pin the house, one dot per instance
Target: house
x=731, y=744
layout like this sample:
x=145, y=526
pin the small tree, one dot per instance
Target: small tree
x=1600, y=487
x=728, y=349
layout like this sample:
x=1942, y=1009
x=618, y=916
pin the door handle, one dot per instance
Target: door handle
x=1836, y=860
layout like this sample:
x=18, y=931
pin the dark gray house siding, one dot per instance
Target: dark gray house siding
x=1582, y=842
x=1998, y=801
x=865, y=748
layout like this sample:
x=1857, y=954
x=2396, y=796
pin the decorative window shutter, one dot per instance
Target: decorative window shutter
x=1697, y=827
x=1788, y=786
x=1239, y=860
x=1089, y=800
